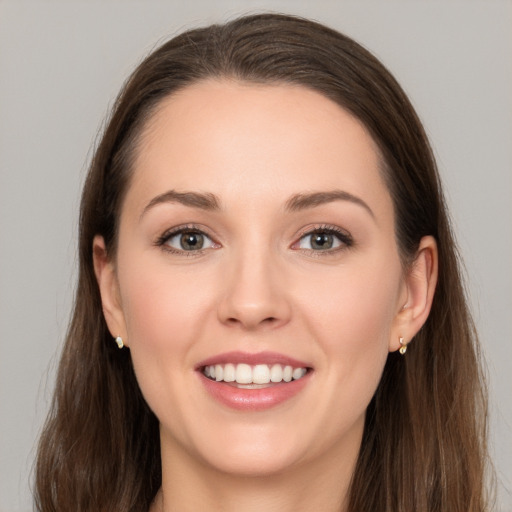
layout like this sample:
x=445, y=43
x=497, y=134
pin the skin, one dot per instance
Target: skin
x=257, y=285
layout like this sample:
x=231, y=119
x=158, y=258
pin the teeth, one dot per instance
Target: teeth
x=297, y=373
x=261, y=374
x=276, y=373
x=258, y=374
x=243, y=374
x=229, y=373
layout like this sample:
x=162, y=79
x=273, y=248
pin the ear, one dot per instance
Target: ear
x=419, y=287
x=109, y=289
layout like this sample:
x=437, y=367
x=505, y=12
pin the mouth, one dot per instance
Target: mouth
x=253, y=382
x=259, y=376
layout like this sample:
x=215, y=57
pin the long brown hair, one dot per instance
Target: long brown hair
x=423, y=446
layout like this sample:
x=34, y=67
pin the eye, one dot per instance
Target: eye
x=324, y=239
x=186, y=240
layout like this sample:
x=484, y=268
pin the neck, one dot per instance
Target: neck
x=189, y=486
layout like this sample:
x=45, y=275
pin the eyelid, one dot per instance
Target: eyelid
x=162, y=240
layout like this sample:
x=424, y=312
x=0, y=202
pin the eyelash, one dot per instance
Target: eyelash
x=342, y=236
x=168, y=235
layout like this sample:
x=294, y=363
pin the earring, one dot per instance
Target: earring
x=403, y=346
x=119, y=342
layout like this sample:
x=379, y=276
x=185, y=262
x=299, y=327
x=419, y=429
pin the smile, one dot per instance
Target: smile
x=247, y=376
x=253, y=382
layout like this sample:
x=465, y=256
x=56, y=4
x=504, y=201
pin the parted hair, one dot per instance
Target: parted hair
x=424, y=441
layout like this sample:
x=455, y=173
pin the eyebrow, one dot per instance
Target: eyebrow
x=300, y=202
x=204, y=201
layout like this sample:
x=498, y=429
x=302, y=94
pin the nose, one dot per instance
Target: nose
x=254, y=293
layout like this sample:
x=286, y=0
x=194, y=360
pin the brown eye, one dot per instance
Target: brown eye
x=189, y=241
x=322, y=241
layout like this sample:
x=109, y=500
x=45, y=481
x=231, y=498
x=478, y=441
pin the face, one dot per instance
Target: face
x=257, y=244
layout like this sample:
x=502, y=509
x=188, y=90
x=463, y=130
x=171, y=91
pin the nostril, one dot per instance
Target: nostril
x=265, y=321
x=252, y=310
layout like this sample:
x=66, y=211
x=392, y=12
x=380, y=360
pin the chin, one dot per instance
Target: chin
x=262, y=450
x=253, y=463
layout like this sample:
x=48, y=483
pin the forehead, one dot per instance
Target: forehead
x=229, y=137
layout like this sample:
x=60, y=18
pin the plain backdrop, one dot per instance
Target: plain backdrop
x=61, y=65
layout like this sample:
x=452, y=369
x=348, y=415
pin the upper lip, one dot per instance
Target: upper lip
x=237, y=357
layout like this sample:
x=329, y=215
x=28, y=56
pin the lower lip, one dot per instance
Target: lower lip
x=253, y=399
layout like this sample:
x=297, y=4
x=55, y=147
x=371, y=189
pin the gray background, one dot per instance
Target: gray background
x=61, y=64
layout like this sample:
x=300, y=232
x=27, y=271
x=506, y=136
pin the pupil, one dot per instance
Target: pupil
x=322, y=241
x=191, y=241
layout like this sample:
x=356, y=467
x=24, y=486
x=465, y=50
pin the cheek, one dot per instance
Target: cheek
x=160, y=306
x=351, y=323
x=352, y=319
x=163, y=312
x=361, y=315
x=356, y=304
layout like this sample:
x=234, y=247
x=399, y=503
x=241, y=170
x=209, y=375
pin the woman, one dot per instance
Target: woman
x=269, y=311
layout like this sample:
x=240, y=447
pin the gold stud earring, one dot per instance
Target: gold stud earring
x=119, y=342
x=403, y=346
